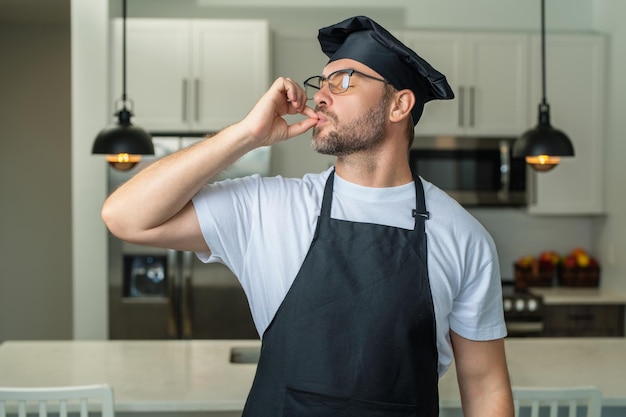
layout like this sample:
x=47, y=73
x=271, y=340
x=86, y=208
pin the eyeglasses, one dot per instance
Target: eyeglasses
x=338, y=82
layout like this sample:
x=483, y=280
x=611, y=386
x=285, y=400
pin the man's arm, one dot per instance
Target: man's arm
x=154, y=207
x=483, y=377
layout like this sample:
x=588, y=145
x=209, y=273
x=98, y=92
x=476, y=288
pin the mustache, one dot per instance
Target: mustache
x=328, y=114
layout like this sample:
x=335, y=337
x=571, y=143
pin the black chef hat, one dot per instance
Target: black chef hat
x=361, y=39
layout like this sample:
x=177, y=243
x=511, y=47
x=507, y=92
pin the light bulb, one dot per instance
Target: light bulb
x=123, y=161
x=543, y=163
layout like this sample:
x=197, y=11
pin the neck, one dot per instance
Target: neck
x=375, y=169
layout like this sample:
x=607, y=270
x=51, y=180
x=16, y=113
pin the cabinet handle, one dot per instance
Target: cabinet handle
x=461, y=107
x=184, y=99
x=186, y=300
x=172, y=316
x=580, y=317
x=472, y=92
x=197, y=98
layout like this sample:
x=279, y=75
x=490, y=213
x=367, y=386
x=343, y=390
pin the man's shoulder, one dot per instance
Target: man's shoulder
x=308, y=184
x=451, y=217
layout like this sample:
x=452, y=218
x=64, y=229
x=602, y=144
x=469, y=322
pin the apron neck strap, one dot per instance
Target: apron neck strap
x=328, y=195
x=420, y=213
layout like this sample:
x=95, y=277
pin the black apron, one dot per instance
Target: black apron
x=355, y=334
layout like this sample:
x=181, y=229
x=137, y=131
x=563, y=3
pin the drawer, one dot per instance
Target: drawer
x=584, y=320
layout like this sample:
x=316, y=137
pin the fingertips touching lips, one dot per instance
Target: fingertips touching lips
x=309, y=112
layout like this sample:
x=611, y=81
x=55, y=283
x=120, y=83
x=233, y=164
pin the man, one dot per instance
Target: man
x=358, y=316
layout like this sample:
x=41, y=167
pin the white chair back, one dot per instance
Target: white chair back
x=554, y=399
x=96, y=399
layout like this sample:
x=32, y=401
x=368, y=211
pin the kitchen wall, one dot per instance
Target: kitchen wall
x=610, y=232
x=42, y=79
x=35, y=179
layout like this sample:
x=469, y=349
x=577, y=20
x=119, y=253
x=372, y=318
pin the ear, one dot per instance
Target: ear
x=401, y=106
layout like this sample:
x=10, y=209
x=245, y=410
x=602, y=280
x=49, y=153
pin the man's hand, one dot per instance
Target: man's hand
x=266, y=123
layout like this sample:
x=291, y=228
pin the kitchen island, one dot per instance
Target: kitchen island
x=198, y=377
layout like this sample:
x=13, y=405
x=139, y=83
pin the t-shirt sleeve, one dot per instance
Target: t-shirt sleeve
x=477, y=312
x=224, y=214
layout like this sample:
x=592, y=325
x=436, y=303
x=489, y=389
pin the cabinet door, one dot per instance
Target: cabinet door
x=230, y=70
x=496, y=84
x=489, y=75
x=157, y=67
x=575, y=91
x=443, y=51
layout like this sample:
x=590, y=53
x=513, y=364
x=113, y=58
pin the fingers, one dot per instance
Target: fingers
x=266, y=123
x=308, y=111
x=295, y=103
x=295, y=94
x=300, y=127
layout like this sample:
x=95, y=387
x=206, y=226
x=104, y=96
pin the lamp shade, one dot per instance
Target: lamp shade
x=118, y=139
x=543, y=146
x=543, y=140
x=123, y=142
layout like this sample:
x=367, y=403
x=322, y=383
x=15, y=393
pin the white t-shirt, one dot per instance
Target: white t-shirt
x=261, y=228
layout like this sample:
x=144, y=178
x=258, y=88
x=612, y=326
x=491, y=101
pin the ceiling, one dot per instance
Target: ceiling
x=35, y=11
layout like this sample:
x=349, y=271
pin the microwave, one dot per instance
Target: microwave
x=474, y=171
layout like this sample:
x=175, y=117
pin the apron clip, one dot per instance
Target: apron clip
x=425, y=215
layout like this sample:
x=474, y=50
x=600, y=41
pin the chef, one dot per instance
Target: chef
x=364, y=280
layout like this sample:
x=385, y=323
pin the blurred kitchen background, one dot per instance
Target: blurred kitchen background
x=56, y=95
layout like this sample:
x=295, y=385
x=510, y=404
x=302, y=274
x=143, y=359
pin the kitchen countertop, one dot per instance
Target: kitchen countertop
x=197, y=376
x=578, y=295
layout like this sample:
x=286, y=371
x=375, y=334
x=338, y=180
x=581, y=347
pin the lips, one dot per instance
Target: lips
x=321, y=119
x=324, y=117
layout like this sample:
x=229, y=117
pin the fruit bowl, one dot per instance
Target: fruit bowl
x=579, y=277
x=578, y=269
x=536, y=275
x=531, y=271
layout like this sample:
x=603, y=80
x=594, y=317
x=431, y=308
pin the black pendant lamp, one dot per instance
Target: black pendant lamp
x=123, y=143
x=543, y=146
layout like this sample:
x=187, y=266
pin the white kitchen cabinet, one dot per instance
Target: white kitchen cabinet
x=575, y=91
x=489, y=75
x=191, y=74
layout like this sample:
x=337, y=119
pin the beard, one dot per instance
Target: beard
x=364, y=133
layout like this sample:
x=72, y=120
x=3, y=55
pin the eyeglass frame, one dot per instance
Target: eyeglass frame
x=349, y=72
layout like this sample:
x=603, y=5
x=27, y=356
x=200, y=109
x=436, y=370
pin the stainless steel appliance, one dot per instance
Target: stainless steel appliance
x=523, y=311
x=165, y=294
x=474, y=171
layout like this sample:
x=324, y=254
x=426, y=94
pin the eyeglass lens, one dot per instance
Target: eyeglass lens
x=338, y=82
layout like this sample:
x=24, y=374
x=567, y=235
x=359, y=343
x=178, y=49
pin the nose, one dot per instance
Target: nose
x=323, y=95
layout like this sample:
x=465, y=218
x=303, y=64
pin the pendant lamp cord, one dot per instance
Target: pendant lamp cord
x=543, y=51
x=124, y=53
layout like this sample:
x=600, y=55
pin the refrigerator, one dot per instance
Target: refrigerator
x=156, y=294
